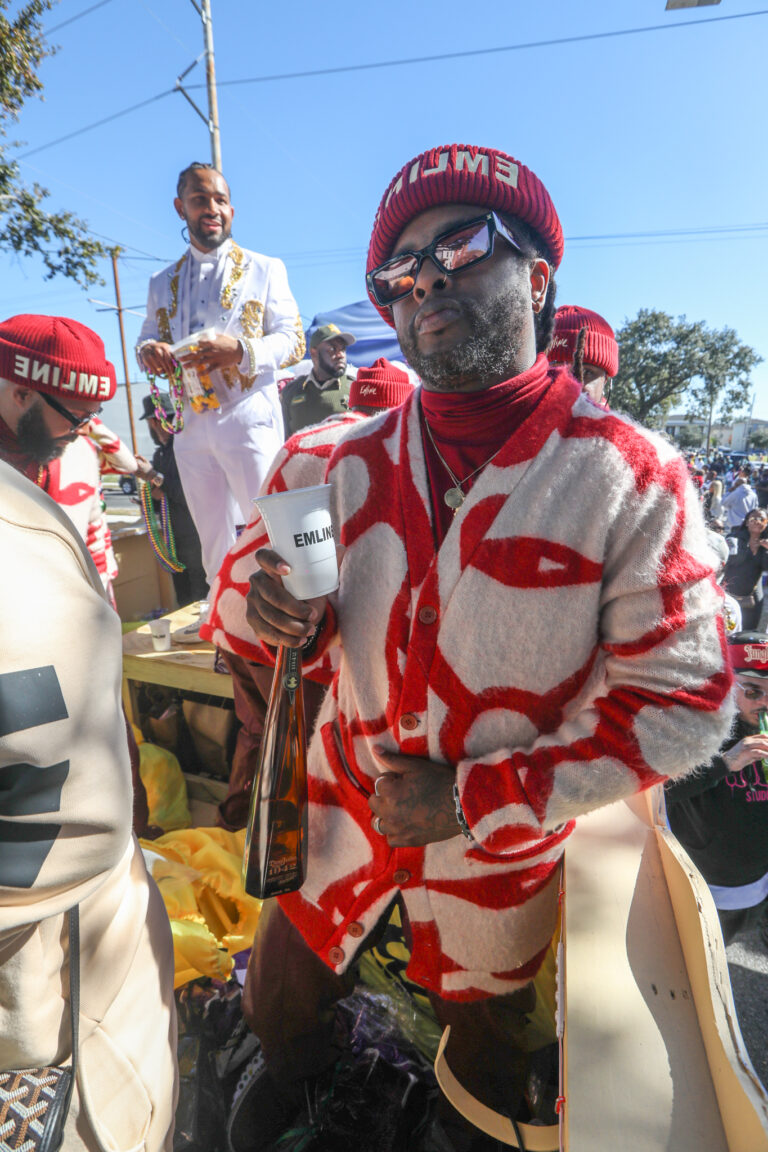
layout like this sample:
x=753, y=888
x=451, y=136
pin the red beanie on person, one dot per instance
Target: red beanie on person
x=600, y=347
x=383, y=385
x=463, y=174
x=748, y=652
x=56, y=355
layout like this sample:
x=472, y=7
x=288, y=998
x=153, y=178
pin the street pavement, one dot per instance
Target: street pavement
x=748, y=966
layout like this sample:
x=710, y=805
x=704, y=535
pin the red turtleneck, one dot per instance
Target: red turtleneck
x=469, y=428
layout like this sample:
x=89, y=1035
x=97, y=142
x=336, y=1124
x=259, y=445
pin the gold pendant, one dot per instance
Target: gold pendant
x=454, y=498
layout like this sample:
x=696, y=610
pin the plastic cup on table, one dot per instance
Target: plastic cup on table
x=161, y=634
x=300, y=530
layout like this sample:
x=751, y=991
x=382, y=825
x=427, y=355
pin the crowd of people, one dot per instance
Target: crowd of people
x=453, y=743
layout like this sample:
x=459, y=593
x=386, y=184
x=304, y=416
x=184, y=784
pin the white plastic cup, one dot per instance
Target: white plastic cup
x=190, y=376
x=161, y=634
x=300, y=530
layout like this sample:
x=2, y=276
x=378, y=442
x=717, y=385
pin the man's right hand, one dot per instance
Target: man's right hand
x=157, y=358
x=748, y=750
x=273, y=613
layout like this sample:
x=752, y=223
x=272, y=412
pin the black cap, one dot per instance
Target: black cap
x=149, y=405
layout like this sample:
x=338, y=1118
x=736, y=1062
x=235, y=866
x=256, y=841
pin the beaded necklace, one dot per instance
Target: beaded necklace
x=160, y=533
x=175, y=423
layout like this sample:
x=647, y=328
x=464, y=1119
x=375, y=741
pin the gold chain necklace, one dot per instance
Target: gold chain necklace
x=454, y=497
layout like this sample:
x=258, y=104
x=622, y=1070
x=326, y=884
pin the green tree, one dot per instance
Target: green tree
x=690, y=436
x=665, y=361
x=758, y=439
x=61, y=239
x=658, y=361
x=724, y=371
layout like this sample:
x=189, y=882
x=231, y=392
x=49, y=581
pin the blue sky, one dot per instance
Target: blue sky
x=658, y=132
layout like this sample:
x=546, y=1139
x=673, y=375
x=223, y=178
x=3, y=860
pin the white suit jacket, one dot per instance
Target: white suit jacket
x=253, y=303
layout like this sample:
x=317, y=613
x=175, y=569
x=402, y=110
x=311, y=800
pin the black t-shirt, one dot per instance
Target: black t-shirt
x=164, y=461
x=721, y=817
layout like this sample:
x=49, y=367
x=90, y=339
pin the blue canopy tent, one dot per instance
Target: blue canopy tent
x=374, y=338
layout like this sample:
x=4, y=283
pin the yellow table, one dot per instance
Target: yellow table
x=186, y=666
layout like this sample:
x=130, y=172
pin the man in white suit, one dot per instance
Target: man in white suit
x=226, y=448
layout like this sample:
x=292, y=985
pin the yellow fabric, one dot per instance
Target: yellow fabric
x=165, y=786
x=211, y=916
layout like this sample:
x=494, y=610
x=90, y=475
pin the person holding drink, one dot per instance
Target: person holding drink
x=720, y=814
x=464, y=731
x=744, y=570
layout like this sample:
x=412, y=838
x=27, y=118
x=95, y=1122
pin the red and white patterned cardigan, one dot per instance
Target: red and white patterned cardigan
x=300, y=463
x=563, y=649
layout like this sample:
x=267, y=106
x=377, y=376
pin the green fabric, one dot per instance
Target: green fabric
x=305, y=404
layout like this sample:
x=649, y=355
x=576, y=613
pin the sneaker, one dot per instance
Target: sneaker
x=259, y=1114
x=188, y=635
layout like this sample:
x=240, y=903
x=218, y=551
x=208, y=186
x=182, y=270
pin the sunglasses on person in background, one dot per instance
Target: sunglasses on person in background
x=453, y=251
x=75, y=421
x=753, y=691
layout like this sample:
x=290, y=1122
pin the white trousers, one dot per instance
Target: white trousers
x=223, y=458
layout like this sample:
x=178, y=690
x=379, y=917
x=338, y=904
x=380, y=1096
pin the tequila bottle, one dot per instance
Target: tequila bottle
x=275, y=858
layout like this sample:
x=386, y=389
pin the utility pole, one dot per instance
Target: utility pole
x=115, y=252
x=212, y=119
x=210, y=76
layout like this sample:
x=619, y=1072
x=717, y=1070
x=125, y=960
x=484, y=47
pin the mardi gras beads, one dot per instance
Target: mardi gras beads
x=160, y=532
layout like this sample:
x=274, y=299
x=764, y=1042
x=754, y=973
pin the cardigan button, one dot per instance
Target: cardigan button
x=336, y=955
x=355, y=930
x=409, y=722
x=427, y=614
x=401, y=876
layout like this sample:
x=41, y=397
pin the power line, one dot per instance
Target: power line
x=97, y=124
x=79, y=16
x=333, y=256
x=397, y=63
x=666, y=233
x=484, y=51
x=125, y=248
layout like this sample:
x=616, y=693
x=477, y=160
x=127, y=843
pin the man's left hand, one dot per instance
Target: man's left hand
x=414, y=801
x=220, y=352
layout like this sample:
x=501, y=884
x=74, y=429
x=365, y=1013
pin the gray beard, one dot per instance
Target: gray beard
x=484, y=358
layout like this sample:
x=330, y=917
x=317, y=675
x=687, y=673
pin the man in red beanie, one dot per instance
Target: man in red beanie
x=586, y=343
x=54, y=379
x=300, y=463
x=512, y=654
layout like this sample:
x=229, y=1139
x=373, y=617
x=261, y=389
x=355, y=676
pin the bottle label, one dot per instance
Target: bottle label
x=292, y=676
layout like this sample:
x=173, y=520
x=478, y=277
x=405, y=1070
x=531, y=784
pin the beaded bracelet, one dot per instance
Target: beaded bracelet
x=465, y=831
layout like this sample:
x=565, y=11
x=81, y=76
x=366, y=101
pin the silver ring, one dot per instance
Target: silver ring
x=376, y=784
x=377, y=825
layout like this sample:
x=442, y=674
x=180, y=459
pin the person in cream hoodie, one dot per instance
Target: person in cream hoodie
x=65, y=840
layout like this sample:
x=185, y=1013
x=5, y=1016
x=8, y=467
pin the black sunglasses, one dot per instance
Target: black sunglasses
x=75, y=421
x=452, y=252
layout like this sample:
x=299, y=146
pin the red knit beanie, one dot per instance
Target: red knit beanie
x=748, y=652
x=463, y=174
x=380, y=386
x=600, y=347
x=56, y=355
